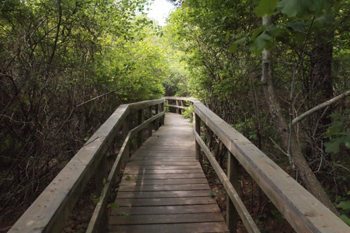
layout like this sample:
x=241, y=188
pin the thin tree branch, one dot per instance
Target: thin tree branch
x=320, y=106
x=95, y=98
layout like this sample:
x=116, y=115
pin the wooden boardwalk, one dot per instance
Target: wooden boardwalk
x=164, y=189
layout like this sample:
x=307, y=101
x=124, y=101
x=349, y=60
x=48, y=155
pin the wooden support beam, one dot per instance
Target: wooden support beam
x=232, y=216
x=197, y=128
x=247, y=220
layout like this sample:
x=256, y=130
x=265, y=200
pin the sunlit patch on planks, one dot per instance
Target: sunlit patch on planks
x=164, y=189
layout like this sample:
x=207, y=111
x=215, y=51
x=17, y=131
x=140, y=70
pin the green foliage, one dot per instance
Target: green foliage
x=338, y=132
x=293, y=8
x=188, y=113
x=266, y=7
x=343, y=205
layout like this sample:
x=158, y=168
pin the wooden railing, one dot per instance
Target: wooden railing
x=49, y=212
x=301, y=209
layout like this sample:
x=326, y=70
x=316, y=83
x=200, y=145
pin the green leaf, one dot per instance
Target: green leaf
x=292, y=7
x=264, y=40
x=332, y=147
x=265, y=7
x=344, y=205
x=236, y=43
x=298, y=26
x=345, y=218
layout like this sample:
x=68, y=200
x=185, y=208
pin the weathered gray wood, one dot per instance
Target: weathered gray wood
x=178, y=187
x=162, y=162
x=145, y=167
x=49, y=211
x=162, y=194
x=230, y=190
x=167, y=175
x=165, y=201
x=167, y=219
x=162, y=210
x=302, y=210
x=172, y=228
x=99, y=213
x=232, y=216
x=145, y=104
x=197, y=128
x=164, y=176
x=140, y=119
x=100, y=208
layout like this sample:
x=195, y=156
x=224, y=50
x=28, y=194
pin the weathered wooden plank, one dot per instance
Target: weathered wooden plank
x=164, y=176
x=247, y=220
x=169, y=218
x=301, y=209
x=99, y=212
x=162, y=194
x=178, y=187
x=172, y=228
x=50, y=208
x=163, y=182
x=168, y=182
x=133, y=168
x=155, y=163
x=187, y=209
x=165, y=201
x=164, y=159
x=183, y=171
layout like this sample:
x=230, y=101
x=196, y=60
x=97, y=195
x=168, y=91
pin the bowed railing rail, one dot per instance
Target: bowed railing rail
x=54, y=205
x=301, y=209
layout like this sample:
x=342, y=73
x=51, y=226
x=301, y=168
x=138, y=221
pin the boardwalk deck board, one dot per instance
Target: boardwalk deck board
x=164, y=188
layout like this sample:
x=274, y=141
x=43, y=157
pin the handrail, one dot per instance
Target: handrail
x=95, y=221
x=48, y=212
x=302, y=210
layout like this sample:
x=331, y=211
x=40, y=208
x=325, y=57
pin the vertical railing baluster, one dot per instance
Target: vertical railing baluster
x=232, y=216
x=150, y=128
x=140, y=119
x=157, y=110
x=177, y=104
x=162, y=108
x=197, y=127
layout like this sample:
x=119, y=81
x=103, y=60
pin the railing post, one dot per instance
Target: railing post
x=177, y=104
x=140, y=119
x=181, y=104
x=232, y=216
x=162, y=109
x=125, y=134
x=197, y=128
x=150, y=128
x=157, y=122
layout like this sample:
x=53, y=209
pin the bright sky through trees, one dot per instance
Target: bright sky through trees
x=160, y=10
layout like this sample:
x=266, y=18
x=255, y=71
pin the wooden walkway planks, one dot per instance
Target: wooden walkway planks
x=164, y=189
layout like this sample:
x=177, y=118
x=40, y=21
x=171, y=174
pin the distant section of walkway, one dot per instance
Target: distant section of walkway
x=164, y=189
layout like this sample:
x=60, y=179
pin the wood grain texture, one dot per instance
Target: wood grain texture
x=52, y=207
x=164, y=189
x=301, y=209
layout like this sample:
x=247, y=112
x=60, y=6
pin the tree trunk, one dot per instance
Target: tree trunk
x=307, y=176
